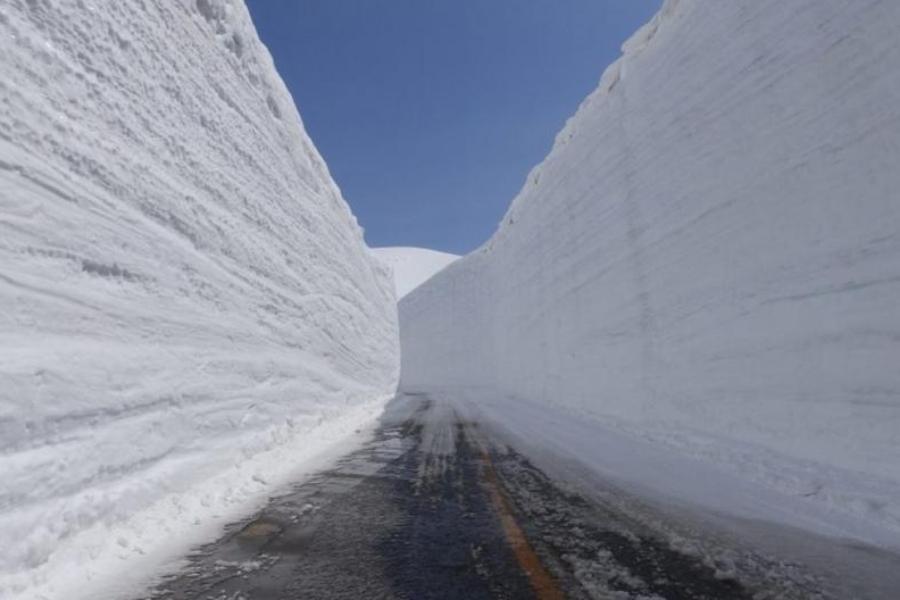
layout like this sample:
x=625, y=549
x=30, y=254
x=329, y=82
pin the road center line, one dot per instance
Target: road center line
x=540, y=578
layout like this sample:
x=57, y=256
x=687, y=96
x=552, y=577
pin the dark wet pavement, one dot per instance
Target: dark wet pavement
x=433, y=507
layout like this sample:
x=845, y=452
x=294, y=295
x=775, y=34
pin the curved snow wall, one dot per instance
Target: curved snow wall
x=182, y=285
x=713, y=244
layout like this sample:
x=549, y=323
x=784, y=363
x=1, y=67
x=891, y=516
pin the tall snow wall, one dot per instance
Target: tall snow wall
x=712, y=245
x=182, y=285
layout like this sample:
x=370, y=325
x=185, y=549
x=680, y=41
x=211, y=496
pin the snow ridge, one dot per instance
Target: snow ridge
x=708, y=257
x=183, y=287
x=412, y=266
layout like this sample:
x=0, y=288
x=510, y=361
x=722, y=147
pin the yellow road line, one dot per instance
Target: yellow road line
x=544, y=585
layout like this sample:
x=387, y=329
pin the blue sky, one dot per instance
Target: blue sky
x=430, y=113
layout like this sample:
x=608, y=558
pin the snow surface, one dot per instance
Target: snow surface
x=709, y=258
x=412, y=266
x=185, y=295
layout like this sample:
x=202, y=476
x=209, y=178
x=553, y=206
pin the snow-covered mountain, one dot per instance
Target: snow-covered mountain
x=412, y=266
x=188, y=307
x=709, y=257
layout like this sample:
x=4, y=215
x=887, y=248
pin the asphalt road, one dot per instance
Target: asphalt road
x=435, y=507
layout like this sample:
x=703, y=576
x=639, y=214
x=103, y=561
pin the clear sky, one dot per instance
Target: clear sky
x=430, y=113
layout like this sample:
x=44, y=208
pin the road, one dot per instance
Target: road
x=435, y=507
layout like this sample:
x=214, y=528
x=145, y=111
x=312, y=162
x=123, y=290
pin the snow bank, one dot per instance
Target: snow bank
x=412, y=266
x=709, y=257
x=182, y=286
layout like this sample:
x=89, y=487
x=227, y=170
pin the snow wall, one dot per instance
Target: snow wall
x=182, y=285
x=712, y=245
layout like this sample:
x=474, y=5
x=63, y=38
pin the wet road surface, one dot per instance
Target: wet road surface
x=433, y=507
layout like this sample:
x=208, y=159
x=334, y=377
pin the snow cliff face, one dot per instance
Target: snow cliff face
x=182, y=285
x=412, y=266
x=711, y=246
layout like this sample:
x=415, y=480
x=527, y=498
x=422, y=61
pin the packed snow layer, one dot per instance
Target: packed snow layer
x=412, y=266
x=710, y=255
x=182, y=285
